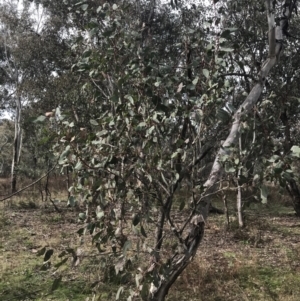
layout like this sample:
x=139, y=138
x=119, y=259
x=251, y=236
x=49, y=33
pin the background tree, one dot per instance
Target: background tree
x=157, y=105
x=35, y=63
x=153, y=144
x=157, y=90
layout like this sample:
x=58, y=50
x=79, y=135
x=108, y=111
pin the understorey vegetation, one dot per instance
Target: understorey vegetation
x=159, y=133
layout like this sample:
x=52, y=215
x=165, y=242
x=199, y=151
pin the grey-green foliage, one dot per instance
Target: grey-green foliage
x=36, y=58
x=154, y=98
x=152, y=91
x=272, y=129
x=6, y=138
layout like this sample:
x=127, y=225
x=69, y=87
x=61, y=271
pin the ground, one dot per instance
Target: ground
x=258, y=262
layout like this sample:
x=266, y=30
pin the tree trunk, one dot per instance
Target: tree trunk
x=224, y=197
x=175, y=266
x=179, y=261
x=239, y=205
x=294, y=192
x=291, y=186
x=275, y=37
x=239, y=192
x=16, y=145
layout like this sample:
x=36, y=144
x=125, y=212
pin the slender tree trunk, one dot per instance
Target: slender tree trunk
x=16, y=145
x=239, y=191
x=292, y=186
x=294, y=192
x=68, y=181
x=179, y=261
x=239, y=205
x=224, y=197
x=275, y=37
x=1, y=147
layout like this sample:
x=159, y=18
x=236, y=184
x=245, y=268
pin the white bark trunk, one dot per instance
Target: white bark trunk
x=239, y=191
x=275, y=47
x=16, y=145
x=198, y=221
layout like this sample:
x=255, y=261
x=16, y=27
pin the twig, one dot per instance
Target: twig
x=31, y=184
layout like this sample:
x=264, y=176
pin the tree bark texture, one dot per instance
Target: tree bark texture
x=16, y=145
x=275, y=37
x=239, y=192
x=292, y=186
x=294, y=192
x=159, y=289
x=180, y=260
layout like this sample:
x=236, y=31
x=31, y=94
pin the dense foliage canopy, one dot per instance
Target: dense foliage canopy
x=152, y=107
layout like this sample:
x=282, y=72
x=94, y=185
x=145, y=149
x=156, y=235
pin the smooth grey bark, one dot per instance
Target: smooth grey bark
x=291, y=185
x=198, y=217
x=275, y=37
x=16, y=145
x=239, y=192
x=11, y=71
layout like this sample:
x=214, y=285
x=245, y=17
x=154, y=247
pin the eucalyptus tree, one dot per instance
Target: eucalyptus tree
x=283, y=114
x=143, y=81
x=35, y=57
x=13, y=75
x=277, y=30
x=262, y=135
x=155, y=95
x=277, y=110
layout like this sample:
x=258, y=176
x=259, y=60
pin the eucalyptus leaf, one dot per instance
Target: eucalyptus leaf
x=195, y=81
x=264, y=194
x=119, y=292
x=226, y=49
x=78, y=165
x=296, y=151
x=82, y=216
x=84, y=7
x=180, y=87
x=126, y=247
x=56, y=283
x=205, y=73
x=41, y=118
x=143, y=232
x=93, y=122
x=48, y=255
x=100, y=215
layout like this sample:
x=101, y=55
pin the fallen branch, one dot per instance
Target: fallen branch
x=31, y=184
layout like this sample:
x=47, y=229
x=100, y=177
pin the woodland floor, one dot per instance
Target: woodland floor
x=258, y=262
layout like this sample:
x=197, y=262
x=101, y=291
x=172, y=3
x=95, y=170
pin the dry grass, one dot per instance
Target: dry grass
x=259, y=262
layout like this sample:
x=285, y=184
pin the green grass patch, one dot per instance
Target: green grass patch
x=258, y=262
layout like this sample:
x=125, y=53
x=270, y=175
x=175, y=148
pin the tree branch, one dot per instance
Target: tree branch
x=275, y=48
x=31, y=184
x=237, y=74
